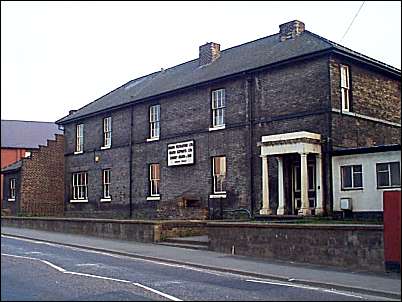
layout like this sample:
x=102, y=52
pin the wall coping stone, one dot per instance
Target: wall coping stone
x=100, y=220
x=353, y=227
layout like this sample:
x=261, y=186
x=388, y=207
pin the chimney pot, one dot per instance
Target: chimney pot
x=209, y=52
x=290, y=30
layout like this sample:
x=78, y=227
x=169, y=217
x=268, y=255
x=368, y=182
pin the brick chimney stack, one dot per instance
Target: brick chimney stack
x=290, y=30
x=209, y=52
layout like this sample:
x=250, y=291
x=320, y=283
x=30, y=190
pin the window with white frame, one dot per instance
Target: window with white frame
x=351, y=177
x=219, y=174
x=79, y=145
x=388, y=175
x=154, y=121
x=218, y=108
x=107, y=131
x=345, y=89
x=12, y=188
x=154, y=179
x=80, y=186
x=106, y=184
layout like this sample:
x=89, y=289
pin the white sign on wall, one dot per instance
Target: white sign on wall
x=181, y=153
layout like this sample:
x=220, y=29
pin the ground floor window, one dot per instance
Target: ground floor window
x=80, y=185
x=388, y=175
x=154, y=179
x=12, y=188
x=219, y=174
x=351, y=177
x=106, y=184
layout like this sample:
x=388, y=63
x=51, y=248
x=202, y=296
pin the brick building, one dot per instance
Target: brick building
x=20, y=138
x=251, y=127
x=35, y=185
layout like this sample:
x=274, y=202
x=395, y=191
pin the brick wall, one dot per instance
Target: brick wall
x=373, y=94
x=293, y=97
x=353, y=246
x=42, y=180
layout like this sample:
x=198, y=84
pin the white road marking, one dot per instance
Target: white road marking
x=305, y=287
x=191, y=268
x=129, y=257
x=62, y=270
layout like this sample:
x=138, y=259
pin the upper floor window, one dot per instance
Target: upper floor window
x=12, y=188
x=80, y=185
x=219, y=174
x=218, y=108
x=79, y=144
x=154, y=179
x=352, y=177
x=106, y=184
x=154, y=121
x=388, y=175
x=107, y=131
x=345, y=89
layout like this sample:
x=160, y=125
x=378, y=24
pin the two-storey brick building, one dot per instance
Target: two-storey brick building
x=250, y=127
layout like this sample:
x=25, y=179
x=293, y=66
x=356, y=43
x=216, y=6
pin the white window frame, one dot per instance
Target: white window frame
x=79, y=143
x=79, y=187
x=12, y=185
x=345, y=88
x=353, y=172
x=107, y=132
x=154, y=183
x=215, y=177
x=154, y=122
x=106, y=184
x=218, y=105
x=390, y=185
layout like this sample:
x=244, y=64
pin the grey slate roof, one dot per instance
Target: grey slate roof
x=14, y=166
x=27, y=134
x=248, y=56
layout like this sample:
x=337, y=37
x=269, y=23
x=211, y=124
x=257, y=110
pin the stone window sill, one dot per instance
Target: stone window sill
x=153, y=198
x=11, y=199
x=105, y=147
x=152, y=139
x=79, y=200
x=78, y=152
x=217, y=128
x=105, y=199
x=223, y=195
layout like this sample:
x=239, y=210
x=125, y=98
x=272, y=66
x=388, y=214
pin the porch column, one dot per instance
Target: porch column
x=281, y=201
x=319, y=210
x=304, y=210
x=266, y=210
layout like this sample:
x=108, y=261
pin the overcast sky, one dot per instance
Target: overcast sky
x=58, y=56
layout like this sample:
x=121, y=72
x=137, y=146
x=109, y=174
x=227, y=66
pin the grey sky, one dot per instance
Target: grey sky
x=57, y=56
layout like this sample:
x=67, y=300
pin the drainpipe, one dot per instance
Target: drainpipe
x=250, y=81
x=131, y=163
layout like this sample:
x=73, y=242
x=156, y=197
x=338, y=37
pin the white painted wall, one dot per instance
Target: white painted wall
x=369, y=198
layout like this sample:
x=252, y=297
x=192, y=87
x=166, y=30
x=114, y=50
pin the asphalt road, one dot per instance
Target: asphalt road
x=34, y=270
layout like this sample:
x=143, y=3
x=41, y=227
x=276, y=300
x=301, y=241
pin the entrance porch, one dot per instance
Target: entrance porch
x=300, y=177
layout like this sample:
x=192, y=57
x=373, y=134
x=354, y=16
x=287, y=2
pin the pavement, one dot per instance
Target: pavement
x=380, y=284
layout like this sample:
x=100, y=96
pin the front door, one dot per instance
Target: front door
x=296, y=184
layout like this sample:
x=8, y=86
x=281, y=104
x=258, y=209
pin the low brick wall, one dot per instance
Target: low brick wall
x=142, y=231
x=134, y=230
x=358, y=247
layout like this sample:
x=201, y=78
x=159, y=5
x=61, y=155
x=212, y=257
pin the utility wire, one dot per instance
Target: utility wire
x=352, y=21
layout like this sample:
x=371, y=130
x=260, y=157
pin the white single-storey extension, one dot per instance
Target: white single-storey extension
x=361, y=175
